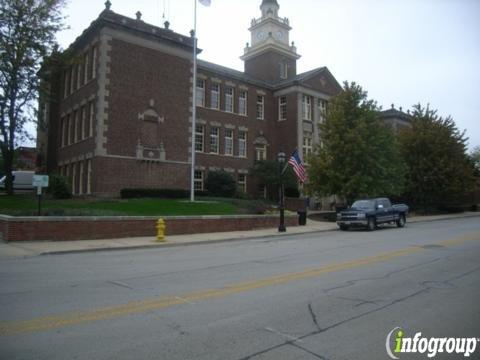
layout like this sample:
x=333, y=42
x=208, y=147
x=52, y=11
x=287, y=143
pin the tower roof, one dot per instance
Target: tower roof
x=265, y=2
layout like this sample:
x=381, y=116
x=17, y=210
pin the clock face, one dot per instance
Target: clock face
x=279, y=35
x=260, y=35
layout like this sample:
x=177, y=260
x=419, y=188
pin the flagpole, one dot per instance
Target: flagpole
x=194, y=105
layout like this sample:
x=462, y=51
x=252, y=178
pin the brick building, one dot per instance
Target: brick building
x=119, y=115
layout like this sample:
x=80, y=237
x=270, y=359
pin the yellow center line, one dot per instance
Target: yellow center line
x=134, y=307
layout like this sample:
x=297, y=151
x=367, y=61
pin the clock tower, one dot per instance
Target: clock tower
x=270, y=57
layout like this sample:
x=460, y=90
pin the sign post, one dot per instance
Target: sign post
x=40, y=181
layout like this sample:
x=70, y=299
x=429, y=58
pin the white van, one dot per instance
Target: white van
x=22, y=180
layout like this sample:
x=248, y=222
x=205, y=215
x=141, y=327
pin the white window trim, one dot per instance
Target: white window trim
x=260, y=105
x=217, y=93
x=240, y=140
x=80, y=180
x=85, y=67
x=197, y=133
x=244, y=101
x=94, y=62
x=229, y=97
x=91, y=116
x=306, y=107
x=216, y=139
x=228, y=140
x=198, y=180
x=242, y=184
x=89, y=176
x=200, y=93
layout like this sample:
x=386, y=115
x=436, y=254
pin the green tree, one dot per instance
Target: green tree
x=359, y=156
x=475, y=158
x=439, y=169
x=27, y=35
x=268, y=173
x=220, y=183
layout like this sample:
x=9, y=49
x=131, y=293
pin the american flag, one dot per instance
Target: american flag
x=298, y=167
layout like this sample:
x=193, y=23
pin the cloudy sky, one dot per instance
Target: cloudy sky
x=401, y=51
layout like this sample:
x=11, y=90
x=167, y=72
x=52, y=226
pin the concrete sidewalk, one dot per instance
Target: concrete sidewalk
x=25, y=249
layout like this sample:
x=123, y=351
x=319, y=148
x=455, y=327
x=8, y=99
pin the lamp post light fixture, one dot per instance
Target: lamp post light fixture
x=281, y=162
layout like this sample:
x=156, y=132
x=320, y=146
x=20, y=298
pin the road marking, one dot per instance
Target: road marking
x=135, y=307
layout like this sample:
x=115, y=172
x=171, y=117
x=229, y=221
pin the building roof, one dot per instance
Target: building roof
x=235, y=74
x=109, y=18
x=265, y=2
x=394, y=113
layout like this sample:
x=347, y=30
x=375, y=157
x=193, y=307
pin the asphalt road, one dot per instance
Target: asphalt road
x=332, y=295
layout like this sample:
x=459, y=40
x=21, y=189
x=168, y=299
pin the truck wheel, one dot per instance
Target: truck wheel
x=371, y=224
x=344, y=227
x=401, y=221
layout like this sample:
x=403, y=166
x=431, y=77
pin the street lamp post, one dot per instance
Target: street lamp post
x=281, y=163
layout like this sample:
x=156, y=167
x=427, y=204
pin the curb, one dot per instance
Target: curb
x=219, y=241
x=189, y=243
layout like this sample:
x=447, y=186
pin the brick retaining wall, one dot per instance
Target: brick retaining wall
x=89, y=228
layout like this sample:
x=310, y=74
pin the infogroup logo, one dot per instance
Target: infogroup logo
x=430, y=346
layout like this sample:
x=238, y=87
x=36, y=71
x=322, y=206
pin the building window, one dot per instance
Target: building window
x=283, y=70
x=322, y=107
x=242, y=103
x=229, y=142
x=80, y=179
x=65, y=83
x=91, y=117
x=307, y=146
x=261, y=152
x=215, y=96
x=85, y=68
x=82, y=122
x=214, y=140
x=282, y=108
x=72, y=79
x=199, y=138
x=79, y=76
x=69, y=130
x=262, y=191
x=198, y=180
x=242, y=183
x=200, y=93
x=62, y=132
x=260, y=107
x=89, y=176
x=74, y=178
x=75, y=126
x=306, y=107
x=242, y=144
x=94, y=62
x=229, y=99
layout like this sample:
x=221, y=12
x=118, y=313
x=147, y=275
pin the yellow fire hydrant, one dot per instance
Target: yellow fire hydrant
x=161, y=230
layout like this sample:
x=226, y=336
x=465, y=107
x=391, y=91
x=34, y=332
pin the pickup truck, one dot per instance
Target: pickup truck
x=371, y=212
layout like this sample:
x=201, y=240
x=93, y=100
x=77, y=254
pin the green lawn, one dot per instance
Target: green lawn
x=26, y=205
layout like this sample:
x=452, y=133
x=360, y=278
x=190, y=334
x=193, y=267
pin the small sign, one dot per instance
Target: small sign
x=40, y=180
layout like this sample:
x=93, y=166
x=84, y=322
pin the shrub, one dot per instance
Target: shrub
x=59, y=187
x=154, y=193
x=292, y=192
x=220, y=183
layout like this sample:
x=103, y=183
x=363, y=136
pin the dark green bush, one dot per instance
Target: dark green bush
x=292, y=192
x=220, y=183
x=59, y=187
x=158, y=193
x=154, y=193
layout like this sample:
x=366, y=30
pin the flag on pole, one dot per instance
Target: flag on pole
x=298, y=167
x=205, y=2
